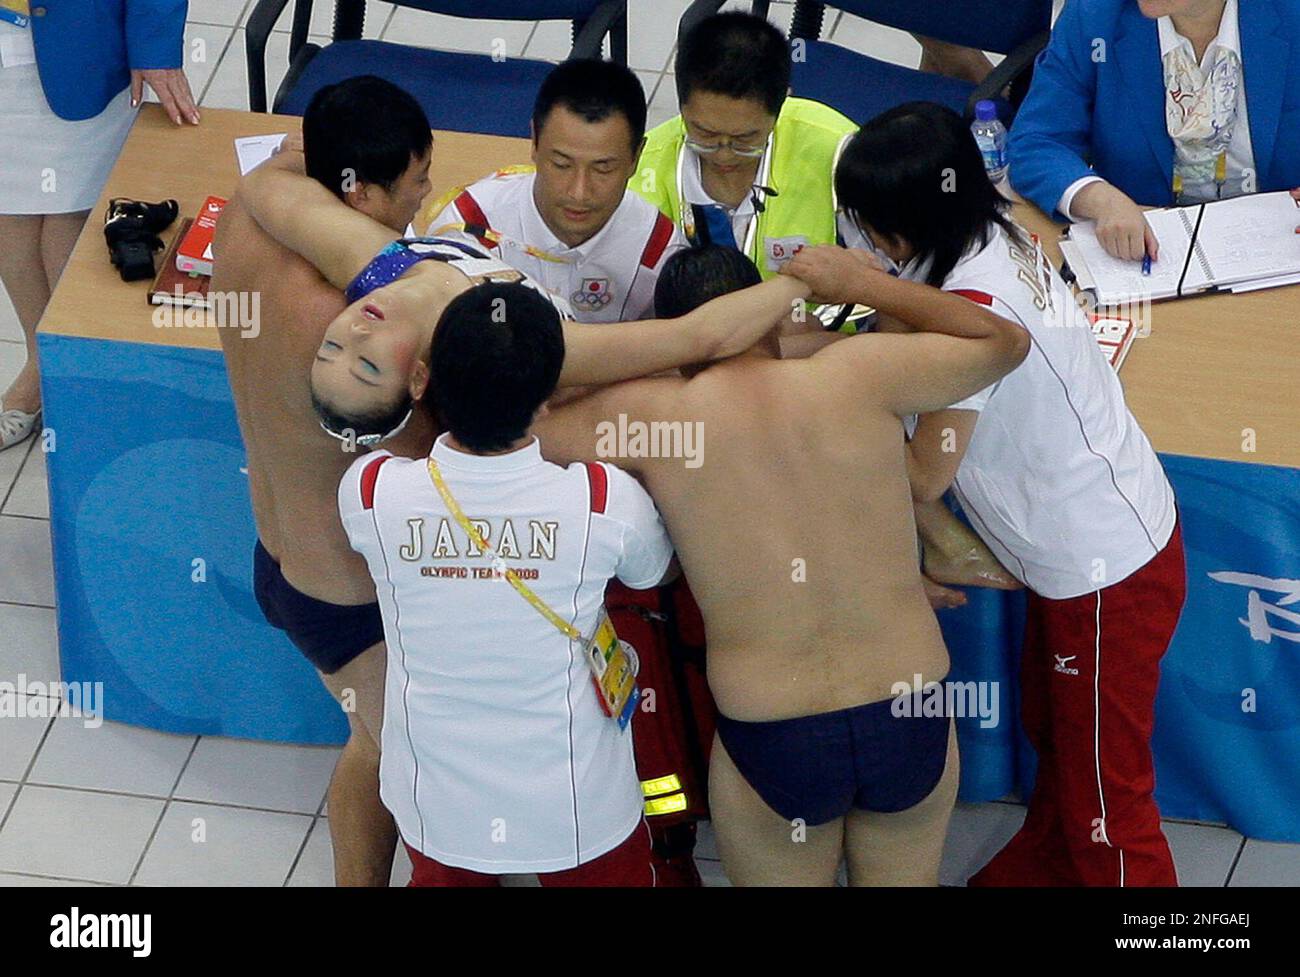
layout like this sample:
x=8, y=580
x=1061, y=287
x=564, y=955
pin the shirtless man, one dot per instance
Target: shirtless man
x=797, y=534
x=318, y=588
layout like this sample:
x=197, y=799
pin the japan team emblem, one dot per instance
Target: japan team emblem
x=593, y=295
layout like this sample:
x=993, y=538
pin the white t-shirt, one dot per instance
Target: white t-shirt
x=496, y=755
x=1058, y=479
x=609, y=278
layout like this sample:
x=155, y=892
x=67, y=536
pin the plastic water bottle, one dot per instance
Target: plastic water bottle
x=991, y=137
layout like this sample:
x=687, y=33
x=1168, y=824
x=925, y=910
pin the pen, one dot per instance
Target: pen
x=1146, y=264
x=1178, y=189
x=1220, y=175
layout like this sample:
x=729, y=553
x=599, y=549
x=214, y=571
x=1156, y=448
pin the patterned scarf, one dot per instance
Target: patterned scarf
x=1200, y=109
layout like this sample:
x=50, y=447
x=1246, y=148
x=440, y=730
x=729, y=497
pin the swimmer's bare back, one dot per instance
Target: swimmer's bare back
x=796, y=533
x=793, y=522
x=294, y=468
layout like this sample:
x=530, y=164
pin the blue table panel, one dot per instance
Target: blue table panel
x=146, y=478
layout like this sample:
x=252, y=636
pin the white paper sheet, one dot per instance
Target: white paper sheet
x=252, y=150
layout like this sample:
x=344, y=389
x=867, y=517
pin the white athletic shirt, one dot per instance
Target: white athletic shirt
x=609, y=278
x=496, y=755
x=1058, y=479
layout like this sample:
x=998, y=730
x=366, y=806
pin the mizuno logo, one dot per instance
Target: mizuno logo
x=1062, y=663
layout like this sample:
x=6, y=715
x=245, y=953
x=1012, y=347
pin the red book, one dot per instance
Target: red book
x=194, y=256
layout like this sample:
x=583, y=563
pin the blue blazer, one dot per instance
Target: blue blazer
x=1098, y=97
x=85, y=49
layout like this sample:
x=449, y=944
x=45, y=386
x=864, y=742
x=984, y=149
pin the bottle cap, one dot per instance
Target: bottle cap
x=986, y=111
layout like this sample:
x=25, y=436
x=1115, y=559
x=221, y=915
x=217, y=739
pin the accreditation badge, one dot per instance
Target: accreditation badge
x=613, y=665
x=779, y=250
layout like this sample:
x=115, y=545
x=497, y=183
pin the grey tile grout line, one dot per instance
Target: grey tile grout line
x=20, y=603
x=1232, y=869
x=144, y=853
x=162, y=797
x=22, y=783
x=288, y=876
x=18, y=474
x=307, y=837
x=217, y=67
x=61, y=878
x=21, y=515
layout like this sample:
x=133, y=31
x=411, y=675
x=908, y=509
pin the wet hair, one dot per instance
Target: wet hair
x=496, y=357
x=363, y=424
x=594, y=90
x=915, y=173
x=735, y=54
x=366, y=127
x=696, y=275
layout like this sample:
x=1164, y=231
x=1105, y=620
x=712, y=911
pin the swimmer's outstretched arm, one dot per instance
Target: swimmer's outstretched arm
x=726, y=326
x=305, y=217
x=957, y=347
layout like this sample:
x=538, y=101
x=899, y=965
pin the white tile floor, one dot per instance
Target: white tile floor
x=120, y=805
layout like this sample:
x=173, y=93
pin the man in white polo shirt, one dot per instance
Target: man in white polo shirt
x=496, y=756
x=570, y=222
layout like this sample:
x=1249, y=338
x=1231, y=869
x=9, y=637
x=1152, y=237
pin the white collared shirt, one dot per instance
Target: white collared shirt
x=610, y=277
x=693, y=193
x=1241, y=156
x=1058, y=478
x=496, y=755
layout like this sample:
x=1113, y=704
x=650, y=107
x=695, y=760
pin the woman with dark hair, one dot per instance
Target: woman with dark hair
x=1059, y=480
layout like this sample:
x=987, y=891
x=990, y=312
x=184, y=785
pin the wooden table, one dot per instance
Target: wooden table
x=1211, y=367
x=152, y=527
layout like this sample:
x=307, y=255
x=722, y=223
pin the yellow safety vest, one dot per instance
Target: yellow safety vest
x=799, y=165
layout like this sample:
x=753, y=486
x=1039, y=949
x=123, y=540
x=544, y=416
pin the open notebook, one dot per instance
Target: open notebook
x=1238, y=244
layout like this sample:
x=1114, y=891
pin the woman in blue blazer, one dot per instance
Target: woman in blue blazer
x=1157, y=102
x=71, y=74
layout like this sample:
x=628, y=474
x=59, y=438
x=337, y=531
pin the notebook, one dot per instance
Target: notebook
x=175, y=287
x=1218, y=246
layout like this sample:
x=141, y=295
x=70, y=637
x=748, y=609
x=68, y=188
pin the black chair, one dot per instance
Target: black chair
x=458, y=90
x=862, y=87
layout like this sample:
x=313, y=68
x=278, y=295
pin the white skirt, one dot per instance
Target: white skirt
x=49, y=165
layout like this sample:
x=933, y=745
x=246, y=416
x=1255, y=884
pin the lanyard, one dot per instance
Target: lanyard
x=496, y=239
x=762, y=180
x=462, y=520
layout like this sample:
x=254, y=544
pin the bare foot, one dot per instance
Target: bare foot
x=941, y=597
x=954, y=554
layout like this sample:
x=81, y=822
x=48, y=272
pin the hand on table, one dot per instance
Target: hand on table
x=173, y=91
x=834, y=274
x=1121, y=228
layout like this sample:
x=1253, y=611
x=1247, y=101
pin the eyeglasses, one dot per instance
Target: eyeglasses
x=739, y=148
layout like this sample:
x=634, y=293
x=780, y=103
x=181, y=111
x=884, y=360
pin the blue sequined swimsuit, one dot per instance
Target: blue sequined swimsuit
x=467, y=257
x=396, y=259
